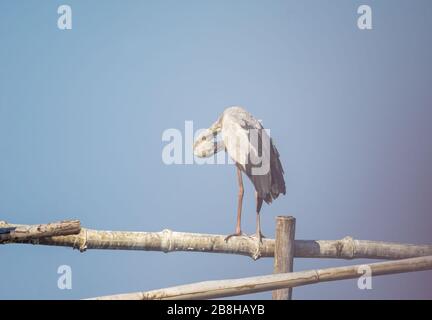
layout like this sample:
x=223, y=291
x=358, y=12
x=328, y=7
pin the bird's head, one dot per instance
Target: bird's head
x=205, y=144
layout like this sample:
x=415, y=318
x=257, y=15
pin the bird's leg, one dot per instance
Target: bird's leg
x=259, y=202
x=238, y=231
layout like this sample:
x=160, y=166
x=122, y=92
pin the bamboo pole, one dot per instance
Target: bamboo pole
x=171, y=241
x=29, y=232
x=284, y=252
x=234, y=287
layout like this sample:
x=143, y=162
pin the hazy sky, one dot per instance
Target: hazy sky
x=82, y=113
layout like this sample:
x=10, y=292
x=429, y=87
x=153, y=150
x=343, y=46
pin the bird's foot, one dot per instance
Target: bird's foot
x=236, y=234
x=259, y=236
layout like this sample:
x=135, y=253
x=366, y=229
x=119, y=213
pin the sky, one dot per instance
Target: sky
x=83, y=111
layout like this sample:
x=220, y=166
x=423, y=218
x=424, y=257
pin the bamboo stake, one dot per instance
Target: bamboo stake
x=171, y=241
x=284, y=252
x=234, y=287
x=31, y=232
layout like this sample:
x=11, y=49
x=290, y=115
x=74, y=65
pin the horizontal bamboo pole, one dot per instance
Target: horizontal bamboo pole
x=28, y=232
x=170, y=241
x=234, y=287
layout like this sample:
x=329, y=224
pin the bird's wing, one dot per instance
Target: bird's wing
x=236, y=141
x=245, y=139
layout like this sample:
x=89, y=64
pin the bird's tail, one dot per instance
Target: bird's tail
x=277, y=172
x=270, y=185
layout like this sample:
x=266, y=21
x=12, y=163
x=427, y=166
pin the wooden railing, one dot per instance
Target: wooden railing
x=408, y=257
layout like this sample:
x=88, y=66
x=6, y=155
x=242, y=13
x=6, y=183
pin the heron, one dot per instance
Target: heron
x=250, y=147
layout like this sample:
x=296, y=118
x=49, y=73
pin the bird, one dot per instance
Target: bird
x=249, y=145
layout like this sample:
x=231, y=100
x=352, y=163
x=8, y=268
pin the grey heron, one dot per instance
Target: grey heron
x=250, y=146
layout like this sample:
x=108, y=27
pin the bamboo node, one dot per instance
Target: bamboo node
x=80, y=241
x=257, y=253
x=166, y=242
x=317, y=275
x=345, y=248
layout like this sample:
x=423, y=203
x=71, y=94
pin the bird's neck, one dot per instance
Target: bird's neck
x=219, y=146
x=216, y=127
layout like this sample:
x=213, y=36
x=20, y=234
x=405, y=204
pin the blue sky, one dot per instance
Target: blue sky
x=82, y=114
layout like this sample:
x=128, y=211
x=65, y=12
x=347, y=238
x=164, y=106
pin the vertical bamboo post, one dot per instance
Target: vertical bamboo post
x=284, y=252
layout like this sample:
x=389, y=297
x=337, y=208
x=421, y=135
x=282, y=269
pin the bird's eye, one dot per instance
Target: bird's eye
x=204, y=138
